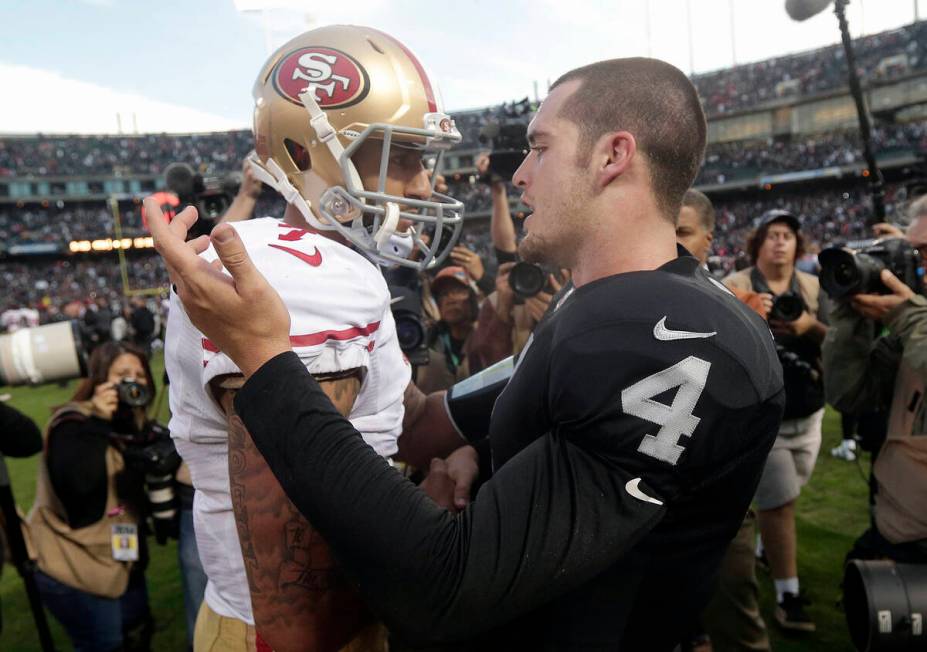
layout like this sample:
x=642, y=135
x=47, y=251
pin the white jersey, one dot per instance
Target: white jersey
x=340, y=319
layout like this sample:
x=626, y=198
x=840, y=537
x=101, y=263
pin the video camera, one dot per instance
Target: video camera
x=506, y=135
x=211, y=196
x=856, y=268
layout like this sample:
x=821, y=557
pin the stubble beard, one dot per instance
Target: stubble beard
x=559, y=246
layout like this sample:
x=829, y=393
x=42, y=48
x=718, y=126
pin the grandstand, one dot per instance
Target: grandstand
x=782, y=132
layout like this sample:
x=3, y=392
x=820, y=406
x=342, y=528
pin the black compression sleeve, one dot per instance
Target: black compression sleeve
x=19, y=436
x=76, y=459
x=549, y=520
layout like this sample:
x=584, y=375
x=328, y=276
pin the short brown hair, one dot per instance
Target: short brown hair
x=758, y=236
x=656, y=103
x=699, y=202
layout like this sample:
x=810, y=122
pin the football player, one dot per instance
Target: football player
x=343, y=117
x=628, y=442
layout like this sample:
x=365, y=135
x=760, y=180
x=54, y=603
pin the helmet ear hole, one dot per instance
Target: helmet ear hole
x=298, y=154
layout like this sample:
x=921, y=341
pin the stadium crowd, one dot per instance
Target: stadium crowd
x=474, y=315
x=752, y=158
x=902, y=50
x=827, y=216
x=747, y=86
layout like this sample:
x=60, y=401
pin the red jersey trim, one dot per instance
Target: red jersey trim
x=314, y=339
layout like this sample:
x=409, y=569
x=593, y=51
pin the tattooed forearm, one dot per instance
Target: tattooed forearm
x=299, y=597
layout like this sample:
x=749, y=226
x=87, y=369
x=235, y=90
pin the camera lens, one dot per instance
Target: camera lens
x=526, y=279
x=787, y=307
x=846, y=274
x=409, y=331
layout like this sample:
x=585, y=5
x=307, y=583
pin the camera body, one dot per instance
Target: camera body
x=856, y=268
x=153, y=453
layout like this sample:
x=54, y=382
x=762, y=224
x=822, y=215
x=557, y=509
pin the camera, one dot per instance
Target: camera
x=528, y=279
x=794, y=366
x=133, y=394
x=856, y=268
x=406, y=306
x=211, y=196
x=885, y=604
x=787, y=307
x=32, y=356
x=506, y=134
x=153, y=454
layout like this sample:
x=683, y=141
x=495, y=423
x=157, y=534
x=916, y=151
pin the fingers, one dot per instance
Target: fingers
x=462, y=487
x=866, y=300
x=554, y=283
x=182, y=222
x=199, y=245
x=886, y=229
x=235, y=259
x=893, y=283
x=438, y=484
x=170, y=239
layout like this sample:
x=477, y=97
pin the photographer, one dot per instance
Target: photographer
x=87, y=524
x=456, y=297
x=796, y=313
x=866, y=369
x=505, y=321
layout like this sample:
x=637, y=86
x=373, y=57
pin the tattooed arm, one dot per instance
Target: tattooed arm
x=299, y=597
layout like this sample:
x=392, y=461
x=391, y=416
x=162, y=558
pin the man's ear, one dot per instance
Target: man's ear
x=617, y=150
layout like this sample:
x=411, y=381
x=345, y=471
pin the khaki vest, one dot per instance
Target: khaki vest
x=808, y=285
x=81, y=558
x=901, y=469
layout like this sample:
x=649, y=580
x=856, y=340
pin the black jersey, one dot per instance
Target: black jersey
x=626, y=450
x=664, y=380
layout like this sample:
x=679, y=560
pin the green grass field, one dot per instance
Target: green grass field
x=831, y=513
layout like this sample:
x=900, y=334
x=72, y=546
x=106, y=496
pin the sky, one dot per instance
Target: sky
x=111, y=66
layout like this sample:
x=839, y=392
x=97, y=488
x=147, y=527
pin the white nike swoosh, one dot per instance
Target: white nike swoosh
x=662, y=333
x=632, y=488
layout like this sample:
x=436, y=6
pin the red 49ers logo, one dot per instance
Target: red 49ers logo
x=335, y=79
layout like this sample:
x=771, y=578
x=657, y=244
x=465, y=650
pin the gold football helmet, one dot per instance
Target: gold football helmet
x=317, y=99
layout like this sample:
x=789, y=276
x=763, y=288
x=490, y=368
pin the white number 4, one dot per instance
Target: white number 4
x=675, y=420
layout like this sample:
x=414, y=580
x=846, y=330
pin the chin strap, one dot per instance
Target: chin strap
x=276, y=178
x=326, y=133
x=386, y=231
